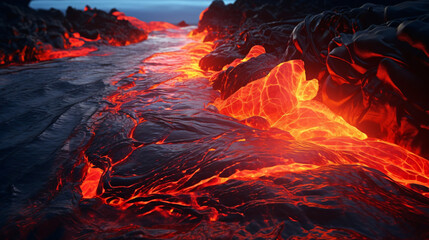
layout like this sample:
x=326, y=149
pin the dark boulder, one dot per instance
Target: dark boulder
x=272, y=36
x=220, y=57
x=182, y=24
x=232, y=79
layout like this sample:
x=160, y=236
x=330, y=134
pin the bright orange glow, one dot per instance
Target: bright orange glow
x=189, y=69
x=52, y=53
x=284, y=99
x=202, y=13
x=197, y=36
x=90, y=183
x=394, y=161
x=148, y=27
x=254, y=52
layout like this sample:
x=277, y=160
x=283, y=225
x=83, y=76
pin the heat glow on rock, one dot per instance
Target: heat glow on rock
x=122, y=30
x=283, y=100
x=210, y=133
x=147, y=26
x=283, y=164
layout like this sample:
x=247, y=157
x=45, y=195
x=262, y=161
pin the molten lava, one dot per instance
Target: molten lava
x=128, y=93
x=284, y=99
x=158, y=154
x=148, y=27
x=179, y=169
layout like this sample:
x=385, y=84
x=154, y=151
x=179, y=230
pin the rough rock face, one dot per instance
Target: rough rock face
x=23, y=32
x=27, y=34
x=232, y=79
x=372, y=65
x=240, y=26
x=371, y=61
x=247, y=23
x=93, y=23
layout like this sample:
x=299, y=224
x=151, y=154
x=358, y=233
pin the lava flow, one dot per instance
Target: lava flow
x=263, y=122
x=171, y=166
x=283, y=100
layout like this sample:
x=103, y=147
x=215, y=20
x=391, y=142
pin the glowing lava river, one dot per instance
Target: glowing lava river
x=133, y=143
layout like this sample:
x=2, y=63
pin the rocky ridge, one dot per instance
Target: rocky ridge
x=28, y=35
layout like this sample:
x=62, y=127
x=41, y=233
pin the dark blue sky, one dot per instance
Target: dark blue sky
x=147, y=10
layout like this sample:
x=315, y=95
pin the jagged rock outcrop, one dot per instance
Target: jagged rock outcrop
x=93, y=23
x=29, y=35
x=247, y=23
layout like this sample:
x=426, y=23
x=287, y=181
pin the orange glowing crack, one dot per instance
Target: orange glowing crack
x=127, y=92
x=90, y=183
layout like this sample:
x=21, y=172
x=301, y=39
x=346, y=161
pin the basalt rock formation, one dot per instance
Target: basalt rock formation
x=29, y=35
x=246, y=23
x=371, y=60
x=94, y=23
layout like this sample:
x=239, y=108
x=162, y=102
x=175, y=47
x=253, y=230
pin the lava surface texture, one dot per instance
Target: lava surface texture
x=156, y=153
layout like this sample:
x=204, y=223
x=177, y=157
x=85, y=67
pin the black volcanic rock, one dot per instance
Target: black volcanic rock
x=27, y=34
x=24, y=31
x=93, y=22
x=371, y=63
x=221, y=56
x=234, y=78
x=246, y=18
x=272, y=36
x=182, y=24
x=218, y=17
x=388, y=77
